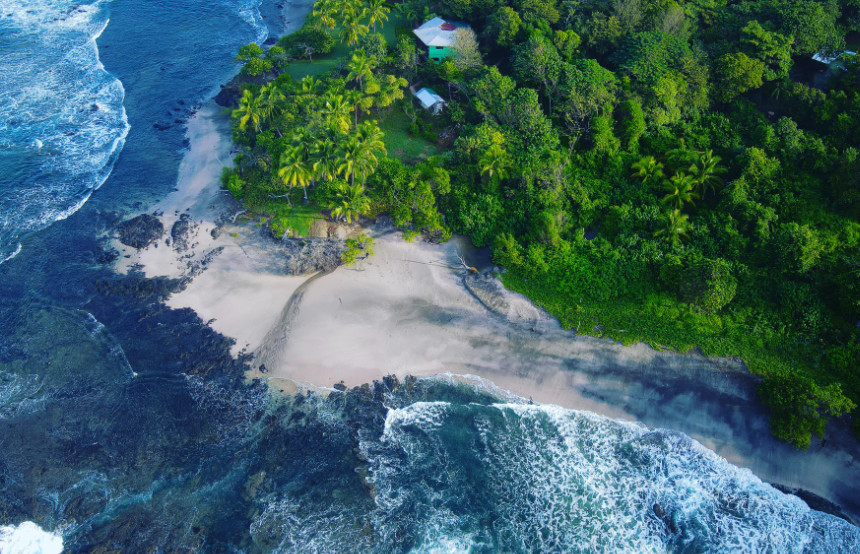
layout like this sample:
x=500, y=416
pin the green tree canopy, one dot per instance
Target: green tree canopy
x=735, y=74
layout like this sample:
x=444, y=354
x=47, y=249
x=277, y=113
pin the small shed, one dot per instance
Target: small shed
x=430, y=100
x=438, y=36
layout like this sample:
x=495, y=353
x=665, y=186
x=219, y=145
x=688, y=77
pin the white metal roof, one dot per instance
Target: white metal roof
x=432, y=34
x=428, y=98
x=819, y=57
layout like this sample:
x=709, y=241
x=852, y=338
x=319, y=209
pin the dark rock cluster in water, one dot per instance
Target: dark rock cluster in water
x=228, y=96
x=141, y=231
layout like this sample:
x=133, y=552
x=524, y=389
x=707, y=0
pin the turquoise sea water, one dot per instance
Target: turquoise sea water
x=126, y=425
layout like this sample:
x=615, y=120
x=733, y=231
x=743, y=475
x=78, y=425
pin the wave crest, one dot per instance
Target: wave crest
x=518, y=477
x=62, y=120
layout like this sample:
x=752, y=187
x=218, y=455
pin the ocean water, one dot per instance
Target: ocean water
x=125, y=425
x=62, y=120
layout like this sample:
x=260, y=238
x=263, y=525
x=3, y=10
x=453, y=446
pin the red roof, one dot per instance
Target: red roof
x=447, y=26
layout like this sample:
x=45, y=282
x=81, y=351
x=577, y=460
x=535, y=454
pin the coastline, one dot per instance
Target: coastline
x=410, y=310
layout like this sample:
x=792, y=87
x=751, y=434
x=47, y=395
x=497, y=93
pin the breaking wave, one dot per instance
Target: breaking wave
x=28, y=538
x=528, y=478
x=62, y=120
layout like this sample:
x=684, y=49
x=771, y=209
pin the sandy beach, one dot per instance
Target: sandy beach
x=413, y=309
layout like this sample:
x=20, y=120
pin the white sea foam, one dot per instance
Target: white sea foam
x=61, y=113
x=565, y=480
x=251, y=15
x=28, y=538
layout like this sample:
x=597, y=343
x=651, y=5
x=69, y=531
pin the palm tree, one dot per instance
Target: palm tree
x=351, y=202
x=356, y=98
x=353, y=29
x=336, y=110
x=681, y=189
x=349, y=158
x=302, y=143
x=706, y=172
x=293, y=171
x=271, y=98
x=358, y=154
x=677, y=226
x=371, y=145
x=495, y=162
x=308, y=86
x=376, y=10
x=648, y=169
x=360, y=66
x=250, y=110
x=325, y=11
x=325, y=154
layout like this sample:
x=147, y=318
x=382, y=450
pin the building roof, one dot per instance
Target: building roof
x=438, y=32
x=428, y=98
x=823, y=58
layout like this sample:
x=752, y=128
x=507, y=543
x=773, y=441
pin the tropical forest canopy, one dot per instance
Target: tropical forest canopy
x=680, y=173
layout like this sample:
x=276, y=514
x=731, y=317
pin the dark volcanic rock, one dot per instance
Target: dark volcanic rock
x=179, y=232
x=309, y=256
x=106, y=256
x=230, y=93
x=815, y=502
x=140, y=231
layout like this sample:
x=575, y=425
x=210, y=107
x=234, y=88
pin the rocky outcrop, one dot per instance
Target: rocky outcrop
x=179, y=232
x=141, y=231
x=228, y=96
x=310, y=256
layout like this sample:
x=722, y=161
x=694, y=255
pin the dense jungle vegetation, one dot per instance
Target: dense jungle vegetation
x=676, y=172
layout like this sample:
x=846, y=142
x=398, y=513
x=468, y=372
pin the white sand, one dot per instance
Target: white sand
x=241, y=291
x=407, y=310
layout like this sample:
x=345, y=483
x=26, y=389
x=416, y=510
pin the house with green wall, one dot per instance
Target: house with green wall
x=438, y=36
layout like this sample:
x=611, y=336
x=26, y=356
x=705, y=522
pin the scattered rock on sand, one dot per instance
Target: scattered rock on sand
x=141, y=231
x=312, y=255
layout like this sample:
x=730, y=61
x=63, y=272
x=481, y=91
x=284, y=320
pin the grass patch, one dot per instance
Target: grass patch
x=296, y=219
x=340, y=53
x=321, y=64
x=398, y=141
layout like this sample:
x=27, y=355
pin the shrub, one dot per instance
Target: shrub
x=801, y=408
x=702, y=282
x=362, y=245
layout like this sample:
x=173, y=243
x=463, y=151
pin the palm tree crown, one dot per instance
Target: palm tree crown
x=351, y=202
x=250, y=110
x=677, y=226
x=648, y=169
x=495, y=162
x=681, y=189
x=706, y=171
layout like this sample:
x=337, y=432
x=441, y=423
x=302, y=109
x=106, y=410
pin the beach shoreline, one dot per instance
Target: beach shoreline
x=412, y=309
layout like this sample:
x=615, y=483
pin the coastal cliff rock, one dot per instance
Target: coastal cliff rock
x=228, y=96
x=141, y=231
